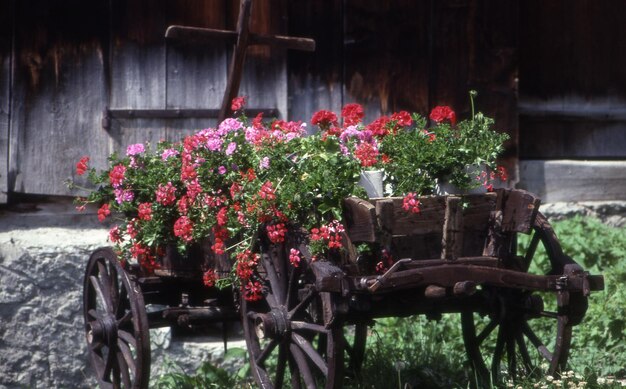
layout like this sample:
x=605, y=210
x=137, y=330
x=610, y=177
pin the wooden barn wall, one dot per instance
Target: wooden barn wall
x=573, y=79
x=6, y=27
x=408, y=55
x=73, y=59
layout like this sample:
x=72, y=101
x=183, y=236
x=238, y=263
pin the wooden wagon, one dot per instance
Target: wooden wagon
x=457, y=255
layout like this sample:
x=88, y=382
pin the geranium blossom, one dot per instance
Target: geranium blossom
x=209, y=277
x=135, y=149
x=183, y=228
x=238, y=103
x=253, y=291
x=167, y=153
x=324, y=119
x=103, y=212
x=442, y=113
x=116, y=175
x=352, y=114
x=82, y=166
x=123, y=195
x=411, y=203
x=166, y=194
x=367, y=153
x=294, y=257
x=145, y=211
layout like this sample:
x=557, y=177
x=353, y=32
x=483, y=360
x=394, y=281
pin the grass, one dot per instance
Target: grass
x=416, y=352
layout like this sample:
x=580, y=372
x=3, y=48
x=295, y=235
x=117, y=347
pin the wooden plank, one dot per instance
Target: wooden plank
x=6, y=34
x=386, y=66
x=264, y=79
x=58, y=91
x=196, y=74
x=315, y=80
x=360, y=218
x=138, y=68
x=452, y=240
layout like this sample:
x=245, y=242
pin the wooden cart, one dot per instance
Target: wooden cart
x=457, y=255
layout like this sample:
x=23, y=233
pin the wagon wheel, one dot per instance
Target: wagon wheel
x=524, y=333
x=354, y=345
x=116, y=324
x=288, y=343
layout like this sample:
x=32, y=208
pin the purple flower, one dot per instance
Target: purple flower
x=123, y=195
x=221, y=170
x=168, y=153
x=232, y=146
x=135, y=149
x=264, y=163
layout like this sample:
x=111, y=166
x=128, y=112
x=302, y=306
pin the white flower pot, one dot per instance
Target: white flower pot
x=372, y=182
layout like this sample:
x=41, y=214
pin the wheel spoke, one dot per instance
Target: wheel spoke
x=534, y=339
x=109, y=366
x=295, y=372
x=119, y=308
x=94, y=314
x=128, y=357
x=510, y=351
x=280, y=365
x=277, y=287
x=551, y=315
x=260, y=360
x=303, y=366
x=497, y=353
x=127, y=337
x=95, y=283
x=302, y=304
x=528, y=364
x=311, y=353
x=530, y=251
x=301, y=325
x=124, y=369
x=124, y=319
x=486, y=331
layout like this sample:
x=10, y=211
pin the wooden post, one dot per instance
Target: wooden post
x=452, y=242
x=242, y=39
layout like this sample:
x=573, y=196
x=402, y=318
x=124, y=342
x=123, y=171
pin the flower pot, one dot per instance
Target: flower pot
x=444, y=187
x=372, y=182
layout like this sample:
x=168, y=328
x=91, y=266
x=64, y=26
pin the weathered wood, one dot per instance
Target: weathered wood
x=6, y=57
x=59, y=85
x=199, y=36
x=315, y=81
x=360, y=220
x=196, y=76
x=452, y=240
x=519, y=209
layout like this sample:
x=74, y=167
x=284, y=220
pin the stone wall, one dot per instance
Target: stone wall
x=43, y=256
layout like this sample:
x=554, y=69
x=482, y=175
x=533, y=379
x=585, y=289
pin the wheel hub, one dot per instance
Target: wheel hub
x=274, y=324
x=102, y=331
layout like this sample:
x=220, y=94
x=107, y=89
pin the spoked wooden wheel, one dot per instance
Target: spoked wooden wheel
x=290, y=342
x=524, y=333
x=116, y=324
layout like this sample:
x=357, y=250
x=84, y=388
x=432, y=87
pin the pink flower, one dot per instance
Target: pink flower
x=238, y=103
x=125, y=195
x=276, y=233
x=294, y=257
x=145, y=211
x=221, y=170
x=264, y=163
x=229, y=125
x=183, y=228
x=167, y=153
x=135, y=149
x=410, y=203
x=232, y=146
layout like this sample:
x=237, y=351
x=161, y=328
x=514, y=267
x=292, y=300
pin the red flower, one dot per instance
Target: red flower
x=222, y=216
x=209, y=277
x=188, y=172
x=116, y=175
x=183, y=228
x=402, y=118
x=246, y=263
x=103, y=212
x=410, y=203
x=238, y=103
x=502, y=173
x=352, y=114
x=220, y=234
x=367, y=153
x=131, y=228
x=431, y=135
x=379, y=127
x=81, y=166
x=267, y=191
x=276, y=233
x=257, y=122
x=166, y=194
x=145, y=211
x=324, y=119
x=114, y=235
x=441, y=113
x=331, y=233
x=253, y=291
